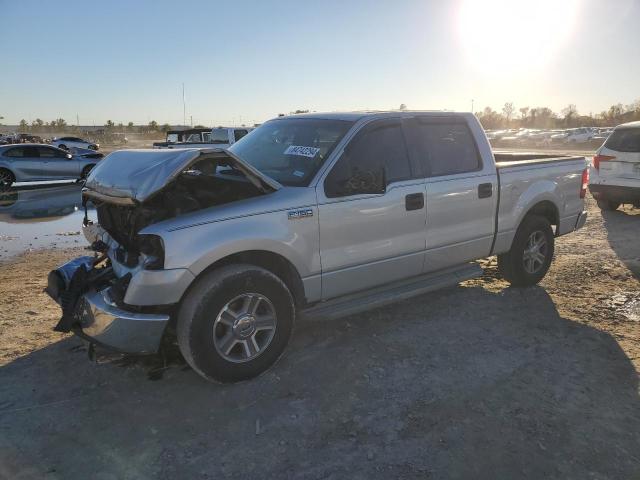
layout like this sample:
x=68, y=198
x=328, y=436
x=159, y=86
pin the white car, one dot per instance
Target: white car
x=574, y=135
x=615, y=170
x=67, y=143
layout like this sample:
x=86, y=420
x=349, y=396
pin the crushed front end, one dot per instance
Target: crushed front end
x=91, y=297
x=123, y=296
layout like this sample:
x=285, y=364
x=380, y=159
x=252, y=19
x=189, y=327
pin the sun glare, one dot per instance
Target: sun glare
x=514, y=36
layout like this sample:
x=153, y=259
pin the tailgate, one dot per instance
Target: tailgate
x=622, y=165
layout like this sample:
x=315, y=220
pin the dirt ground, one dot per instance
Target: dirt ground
x=475, y=381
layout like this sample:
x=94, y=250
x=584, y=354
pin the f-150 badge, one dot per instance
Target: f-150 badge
x=300, y=213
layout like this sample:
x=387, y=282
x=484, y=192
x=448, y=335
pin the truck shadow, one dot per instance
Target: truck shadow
x=623, y=231
x=462, y=383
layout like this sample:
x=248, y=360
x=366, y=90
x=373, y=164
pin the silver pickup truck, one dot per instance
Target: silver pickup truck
x=317, y=215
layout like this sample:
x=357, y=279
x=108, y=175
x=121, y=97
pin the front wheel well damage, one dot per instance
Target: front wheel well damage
x=273, y=262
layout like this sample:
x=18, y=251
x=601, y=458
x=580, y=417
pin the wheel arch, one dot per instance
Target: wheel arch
x=273, y=262
x=546, y=209
x=7, y=169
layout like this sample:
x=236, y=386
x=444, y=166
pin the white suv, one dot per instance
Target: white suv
x=66, y=143
x=615, y=170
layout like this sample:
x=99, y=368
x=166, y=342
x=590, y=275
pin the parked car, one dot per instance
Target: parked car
x=615, y=169
x=28, y=162
x=220, y=137
x=573, y=135
x=318, y=215
x=67, y=143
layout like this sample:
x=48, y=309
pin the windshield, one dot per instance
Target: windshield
x=292, y=150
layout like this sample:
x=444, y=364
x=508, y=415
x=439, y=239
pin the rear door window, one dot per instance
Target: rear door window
x=15, y=152
x=624, y=140
x=443, y=146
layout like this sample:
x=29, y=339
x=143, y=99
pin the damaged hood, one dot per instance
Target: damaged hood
x=133, y=176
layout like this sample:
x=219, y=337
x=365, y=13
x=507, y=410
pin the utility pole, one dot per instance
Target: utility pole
x=77, y=121
x=184, y=108
x=472, y=105
x=191, y=117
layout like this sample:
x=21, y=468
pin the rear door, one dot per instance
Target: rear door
x=461, y=190
x=25, y=163
x=620, y=157
x=57, y=165
x=369, y=239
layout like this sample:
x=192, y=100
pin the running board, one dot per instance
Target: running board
x=395, y=292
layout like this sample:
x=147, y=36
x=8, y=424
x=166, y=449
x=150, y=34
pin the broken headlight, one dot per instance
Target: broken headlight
x=153, y=248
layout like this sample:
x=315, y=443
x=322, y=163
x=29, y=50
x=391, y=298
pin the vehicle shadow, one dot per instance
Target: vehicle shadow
x=623, y=231
x=461, y=383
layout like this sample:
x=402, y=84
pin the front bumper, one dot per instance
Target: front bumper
x=98, y=319
x=104, y=323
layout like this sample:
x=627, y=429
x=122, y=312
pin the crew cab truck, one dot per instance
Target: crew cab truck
x=219, y=137
x=316, y=215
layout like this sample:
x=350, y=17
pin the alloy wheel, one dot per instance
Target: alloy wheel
x=244, y=327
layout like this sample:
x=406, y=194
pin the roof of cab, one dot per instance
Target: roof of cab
x=357, y=115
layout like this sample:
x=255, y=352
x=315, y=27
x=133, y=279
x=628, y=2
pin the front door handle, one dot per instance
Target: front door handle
x=485, y=190
x=414, y=201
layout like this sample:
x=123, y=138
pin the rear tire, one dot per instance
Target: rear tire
x=531, y=253
x=6, y=178
x=235, y=323
x=607, y=205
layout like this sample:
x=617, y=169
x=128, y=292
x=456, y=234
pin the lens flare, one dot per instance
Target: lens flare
x=509, y=37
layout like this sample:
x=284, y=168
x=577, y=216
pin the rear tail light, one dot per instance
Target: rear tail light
x=600, y=158
x=585, y=182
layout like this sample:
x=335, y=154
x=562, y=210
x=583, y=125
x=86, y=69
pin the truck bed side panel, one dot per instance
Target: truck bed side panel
x=525, y=184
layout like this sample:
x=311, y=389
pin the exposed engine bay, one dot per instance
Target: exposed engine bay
x=209, y=181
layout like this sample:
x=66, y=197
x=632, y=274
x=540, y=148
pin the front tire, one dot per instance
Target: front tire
x=235, y=323
x=607, y=205
x=531, y=253
x=63, y=147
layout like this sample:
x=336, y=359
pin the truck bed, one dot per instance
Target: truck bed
x=513, y=159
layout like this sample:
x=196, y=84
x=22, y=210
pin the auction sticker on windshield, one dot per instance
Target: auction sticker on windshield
x=301, y=151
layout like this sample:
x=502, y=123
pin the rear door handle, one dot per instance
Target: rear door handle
x=485, y=190
x=414, y=201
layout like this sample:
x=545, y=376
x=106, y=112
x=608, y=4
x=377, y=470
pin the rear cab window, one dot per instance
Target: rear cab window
x=443, y=146
x=624, y=140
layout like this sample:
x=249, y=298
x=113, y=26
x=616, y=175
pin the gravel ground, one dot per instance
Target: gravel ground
x=475, y=381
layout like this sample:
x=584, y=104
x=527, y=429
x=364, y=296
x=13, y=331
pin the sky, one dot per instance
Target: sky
x=245, y=62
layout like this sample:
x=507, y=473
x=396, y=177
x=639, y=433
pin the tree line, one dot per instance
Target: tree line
x=61, y=125
x=544, y=117
x=508, y=117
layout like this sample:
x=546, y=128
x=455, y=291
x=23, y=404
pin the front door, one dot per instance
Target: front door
x=369, y=239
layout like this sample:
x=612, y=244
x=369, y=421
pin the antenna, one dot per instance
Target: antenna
x=184, y=108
